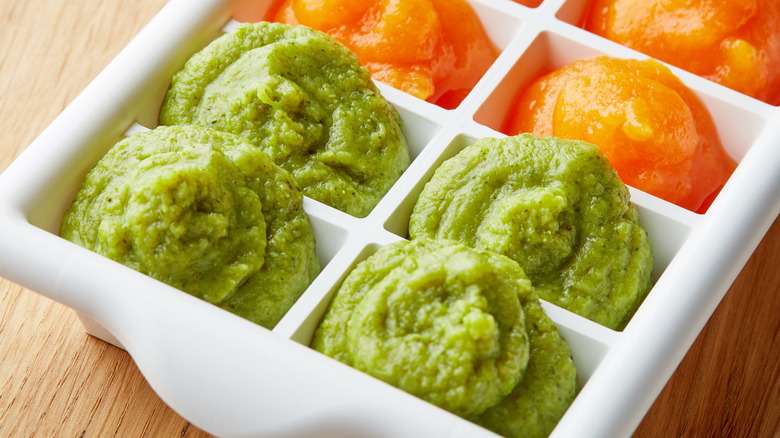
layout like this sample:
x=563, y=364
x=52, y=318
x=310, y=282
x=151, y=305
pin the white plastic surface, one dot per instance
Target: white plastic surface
x=233, y=378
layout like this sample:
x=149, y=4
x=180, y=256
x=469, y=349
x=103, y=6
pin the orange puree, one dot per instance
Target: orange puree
x=436, y=50
x=654, y=131
x=734, y=43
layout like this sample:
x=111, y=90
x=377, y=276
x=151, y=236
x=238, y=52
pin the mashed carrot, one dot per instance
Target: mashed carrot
x=436, y=50
x=654, y=131
x=734, y=43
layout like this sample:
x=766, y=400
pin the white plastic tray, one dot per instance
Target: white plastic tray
x=233, y=378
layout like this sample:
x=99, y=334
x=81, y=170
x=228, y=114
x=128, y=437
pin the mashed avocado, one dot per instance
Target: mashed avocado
x=456, y=326
x=303, y=99
x=556, y=207
x=203, y=211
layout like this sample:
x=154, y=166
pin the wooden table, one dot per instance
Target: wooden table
x=55, y=380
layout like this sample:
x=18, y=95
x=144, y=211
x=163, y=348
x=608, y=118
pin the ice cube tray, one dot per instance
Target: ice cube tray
x=232, y=378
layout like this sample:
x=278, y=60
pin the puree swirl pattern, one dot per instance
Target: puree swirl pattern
x=456, y=326
x=549, y=384
x=303, y=98
x=556, y=207
x=203, y=211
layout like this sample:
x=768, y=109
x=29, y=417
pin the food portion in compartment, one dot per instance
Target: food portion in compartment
x=651, y=127
x=436, y=50
x=203, y=211
x=556, y=207
x=734, y=43
x=302, y=98
x=459, y=327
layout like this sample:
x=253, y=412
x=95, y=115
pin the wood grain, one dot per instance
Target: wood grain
x=728, y=385
x=55, y=380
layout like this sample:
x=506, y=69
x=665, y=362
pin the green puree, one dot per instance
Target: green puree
x=458, y=327
x=555, y=206
x=304, y=99
x=203, y=211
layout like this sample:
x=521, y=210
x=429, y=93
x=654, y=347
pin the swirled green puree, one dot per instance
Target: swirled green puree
x=555, y=206
x=203, y=211
x=549, y=385
x=456, y=326
x=304, y=99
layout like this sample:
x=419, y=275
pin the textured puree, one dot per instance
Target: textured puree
x=458, y=327
x=203, y=211
x=655, y=132
x=557, y=208
x=303, y=99
x=549, y=384
x=733, y=43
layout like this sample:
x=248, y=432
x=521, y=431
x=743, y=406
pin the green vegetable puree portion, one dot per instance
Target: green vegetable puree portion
x=456, y=326
x=555, y=206
x=549, y=385
x=203, y=211
x=302, y=98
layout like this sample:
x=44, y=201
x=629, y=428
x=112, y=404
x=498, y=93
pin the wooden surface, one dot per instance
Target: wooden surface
x=55, y=380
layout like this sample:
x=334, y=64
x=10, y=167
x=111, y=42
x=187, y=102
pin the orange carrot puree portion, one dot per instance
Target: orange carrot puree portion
x=734, y=43
x=655, y=132
x=436, y=50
